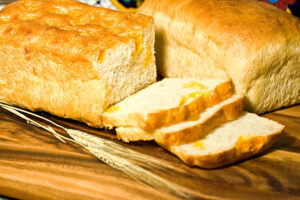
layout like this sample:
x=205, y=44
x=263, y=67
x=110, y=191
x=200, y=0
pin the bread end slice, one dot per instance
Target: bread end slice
x=232, y=142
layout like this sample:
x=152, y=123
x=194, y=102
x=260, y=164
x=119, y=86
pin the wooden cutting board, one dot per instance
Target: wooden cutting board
x=35, y=165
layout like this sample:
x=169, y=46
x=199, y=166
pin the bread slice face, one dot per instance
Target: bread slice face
x=71, y=59
x=233, y=141
x=191, y=130
x=188, y=130
x=166, y=102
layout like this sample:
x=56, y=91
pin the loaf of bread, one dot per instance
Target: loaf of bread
x=252, y=42
x=166, y=102
x=71, y=59
x=234, y=141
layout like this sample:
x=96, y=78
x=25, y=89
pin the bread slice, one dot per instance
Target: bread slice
x=166, y=102
x=189, y=130
x=71, y=59
x=233, y=141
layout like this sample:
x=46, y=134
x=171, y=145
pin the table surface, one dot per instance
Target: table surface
x=35, y=165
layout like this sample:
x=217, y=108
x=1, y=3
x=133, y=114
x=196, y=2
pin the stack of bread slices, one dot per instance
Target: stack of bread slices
x=200, y=121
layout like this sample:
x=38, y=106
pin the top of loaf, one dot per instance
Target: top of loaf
x=67, y=24
x=71, y=15
x=77, y=34
x=226, y=22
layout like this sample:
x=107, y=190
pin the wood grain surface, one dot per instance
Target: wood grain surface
x=35, y=165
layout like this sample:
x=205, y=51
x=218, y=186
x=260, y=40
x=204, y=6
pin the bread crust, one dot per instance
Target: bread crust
x=151, y=121
x=254, y=43
x=225, y=113
x=183, y=112
x=51, y=50
x=240, y=151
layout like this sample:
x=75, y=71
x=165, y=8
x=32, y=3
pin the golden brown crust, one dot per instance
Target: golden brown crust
x=50, y=52
x=242, y=150
x=192, y=133
x=76, y=16
x=254, y=43
x=249, y=21
x=183, y=112
x=61, y=25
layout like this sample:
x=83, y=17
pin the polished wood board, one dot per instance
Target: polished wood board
x=35, y=165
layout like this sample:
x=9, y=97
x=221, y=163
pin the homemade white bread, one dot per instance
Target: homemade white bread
x=167, y=102
x=254, y=43
x=188, y=130
x=71, y=59
x=233, y=141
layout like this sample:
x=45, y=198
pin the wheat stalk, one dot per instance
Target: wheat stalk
x=30, y=121
x=109, y=146
x=111, y=153
x=136, y=172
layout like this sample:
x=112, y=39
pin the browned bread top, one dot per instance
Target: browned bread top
x=80, y=34
x=226, y=22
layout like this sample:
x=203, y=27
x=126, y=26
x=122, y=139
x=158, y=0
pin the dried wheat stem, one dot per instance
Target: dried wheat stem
x=111, y=153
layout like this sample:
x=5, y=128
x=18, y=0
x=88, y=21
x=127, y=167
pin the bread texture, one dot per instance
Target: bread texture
x=234, y=141
x=166, y=102
x=133, y=134
x=203, y=124
x=190, y=129
x=71, y=59
x=252, y=42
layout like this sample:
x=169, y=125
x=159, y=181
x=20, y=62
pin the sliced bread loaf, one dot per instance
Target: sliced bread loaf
x=231, y=142
x=166, y=102
x=189, y=130
x=71, y=59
